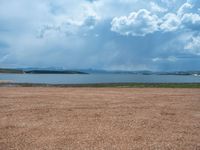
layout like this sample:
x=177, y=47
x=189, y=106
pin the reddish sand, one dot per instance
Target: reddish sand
x=99, y=118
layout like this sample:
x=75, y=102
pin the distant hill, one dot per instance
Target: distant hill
x=53, y=72
x=21, y=71
x=180, y=73
x=142, y=72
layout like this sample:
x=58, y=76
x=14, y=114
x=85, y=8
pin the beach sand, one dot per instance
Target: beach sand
x=99, y=118
x=5, y=81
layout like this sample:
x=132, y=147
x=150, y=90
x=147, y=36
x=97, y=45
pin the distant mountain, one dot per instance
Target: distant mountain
x=53, y=72
x=93, y=71
x=39, y=71
x=142, y=72
x=179, y=73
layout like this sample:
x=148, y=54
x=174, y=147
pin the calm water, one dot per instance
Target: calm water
x=97, y=78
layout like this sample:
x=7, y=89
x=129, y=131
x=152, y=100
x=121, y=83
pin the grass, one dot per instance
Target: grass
x=15, y=71
x=117, y=85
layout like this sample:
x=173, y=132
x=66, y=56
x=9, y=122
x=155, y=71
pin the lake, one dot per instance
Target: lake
x=97, y=78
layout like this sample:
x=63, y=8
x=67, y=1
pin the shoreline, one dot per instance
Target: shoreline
x=6, y=83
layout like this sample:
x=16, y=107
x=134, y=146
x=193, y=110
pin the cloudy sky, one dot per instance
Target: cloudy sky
x=101, y=34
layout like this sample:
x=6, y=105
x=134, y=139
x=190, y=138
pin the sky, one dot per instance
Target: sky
x=157, y=35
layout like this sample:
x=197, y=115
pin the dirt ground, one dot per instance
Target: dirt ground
x=99, y=118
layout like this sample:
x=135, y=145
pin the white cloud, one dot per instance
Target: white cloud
x=91, y=0
x=169, y=59
x=168, y=2
x=188, y=13
x=191, y=20
x=193, y=46
x=195, y=3
x=170, y=22
x=172, y=59
x=68, y=27
x=137, y=23
x=185, y=8
x=156, y=8
x=156, y=59
x=143, y=22
x=90, y=21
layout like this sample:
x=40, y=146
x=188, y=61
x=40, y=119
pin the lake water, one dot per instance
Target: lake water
x=97, y=78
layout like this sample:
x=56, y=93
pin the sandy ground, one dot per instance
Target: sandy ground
x=5, y=81
x=99, y=118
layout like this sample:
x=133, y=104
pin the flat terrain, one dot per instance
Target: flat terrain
x=36, y=118
x=4, y=81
